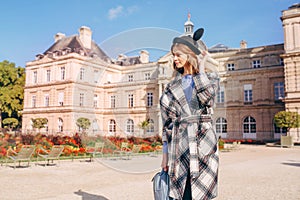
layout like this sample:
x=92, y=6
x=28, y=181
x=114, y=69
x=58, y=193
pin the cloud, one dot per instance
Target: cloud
x=115, y=12
x=118, y=11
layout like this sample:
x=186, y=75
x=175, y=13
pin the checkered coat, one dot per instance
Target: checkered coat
x=192, y=141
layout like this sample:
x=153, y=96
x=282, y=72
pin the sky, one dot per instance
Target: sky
x=28, y=27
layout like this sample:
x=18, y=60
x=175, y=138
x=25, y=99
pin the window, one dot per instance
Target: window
x=35, y=77
x=96, y=75
x=33, y=101
x=60, y=125
x=248, y=93
x=221, y=125
x=147, y=76
x=130, y=78
x=281, y=131
x=130, y=100
x=81, y=99
x=249, y=125
x=220, y=95
x=188, y=29
x=48, y=72
x=279, y=90
x=47, y=99
x=46, y=126
x=95, y=101
x=230, y=66
x=130, y=126
x=31, y=124
x=150, y=128
x=113, y=101
x=256, y=63
x=61, y=98
x=95, y=125
x=112, y=126
x=149, y=99
x=81, y=75
x=281, y=61
x=62, y=73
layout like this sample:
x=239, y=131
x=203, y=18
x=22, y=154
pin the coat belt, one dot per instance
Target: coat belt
x=193, y=119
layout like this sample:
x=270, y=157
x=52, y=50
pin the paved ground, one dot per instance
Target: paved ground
x=250, y=173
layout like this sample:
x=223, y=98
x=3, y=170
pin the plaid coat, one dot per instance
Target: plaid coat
x=192, y=142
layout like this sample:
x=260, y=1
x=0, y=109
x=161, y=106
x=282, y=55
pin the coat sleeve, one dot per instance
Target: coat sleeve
x=207, y=86
x=168, y=113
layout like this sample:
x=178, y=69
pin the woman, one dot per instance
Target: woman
x=190, y=152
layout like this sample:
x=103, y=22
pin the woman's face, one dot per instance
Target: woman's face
x=179, y=58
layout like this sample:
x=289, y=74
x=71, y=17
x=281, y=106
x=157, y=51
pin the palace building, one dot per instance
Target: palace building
x=74, y=78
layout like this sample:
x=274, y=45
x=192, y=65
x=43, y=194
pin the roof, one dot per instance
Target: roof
x=296, y=5
x=126, y=61
x=218, y=48
x=188, y=23
x=73, y=44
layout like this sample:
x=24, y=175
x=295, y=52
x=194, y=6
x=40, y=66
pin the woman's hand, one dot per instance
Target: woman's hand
x=164, y=162
x=202, y=59
x=166, y=168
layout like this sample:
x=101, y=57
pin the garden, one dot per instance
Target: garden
x=76, y=146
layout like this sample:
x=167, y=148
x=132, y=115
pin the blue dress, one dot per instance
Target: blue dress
x=188, y=86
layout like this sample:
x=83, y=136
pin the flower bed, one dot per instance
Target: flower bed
x=75, y=145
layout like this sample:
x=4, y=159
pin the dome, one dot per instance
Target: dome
x=188, y=23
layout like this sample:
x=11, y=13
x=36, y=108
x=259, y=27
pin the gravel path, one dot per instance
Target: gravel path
x=249, y=173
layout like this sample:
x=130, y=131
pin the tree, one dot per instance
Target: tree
x=39, y=123
x=144, y=125
x=12, y=81
x=287, y=119
x=10, y=123
x=83, y=123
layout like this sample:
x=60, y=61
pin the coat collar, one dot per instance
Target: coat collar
x=178, y=93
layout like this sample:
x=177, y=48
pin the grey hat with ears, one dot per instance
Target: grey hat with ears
x=191, y=42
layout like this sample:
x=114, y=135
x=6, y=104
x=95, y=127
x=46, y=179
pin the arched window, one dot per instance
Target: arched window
x=95, y=125
x=279, y=131
x=130, y=126
x=46, y=126
x=112, y=126
x=31, y=124
x=60, y=125
x=150, y=128
x=221, y=125
x=249, y=126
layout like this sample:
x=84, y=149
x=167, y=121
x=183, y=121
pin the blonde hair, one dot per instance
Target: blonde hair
x=191, y=56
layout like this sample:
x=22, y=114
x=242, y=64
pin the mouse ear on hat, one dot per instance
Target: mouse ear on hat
x=198, y=34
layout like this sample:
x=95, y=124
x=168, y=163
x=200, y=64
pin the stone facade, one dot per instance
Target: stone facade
x=74, y=78
x=76, y=81
x=251, y=92
x=291, y=25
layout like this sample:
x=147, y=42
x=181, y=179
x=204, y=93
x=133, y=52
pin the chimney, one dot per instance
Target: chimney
x=121, y=57
x=243, y=44
x=59, y=36
x=85, y=36
x=144, y=56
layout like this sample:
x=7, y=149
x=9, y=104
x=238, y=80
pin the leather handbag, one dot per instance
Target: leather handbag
x=161, y=182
